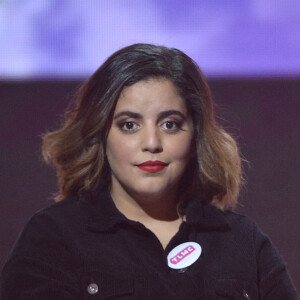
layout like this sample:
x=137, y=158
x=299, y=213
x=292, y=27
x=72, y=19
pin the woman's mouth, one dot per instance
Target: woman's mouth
x=152, y=166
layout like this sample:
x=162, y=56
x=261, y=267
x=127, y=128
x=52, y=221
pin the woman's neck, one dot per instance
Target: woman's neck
x=144, y=208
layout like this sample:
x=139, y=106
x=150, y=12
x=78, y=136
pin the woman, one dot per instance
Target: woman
x=147, y=179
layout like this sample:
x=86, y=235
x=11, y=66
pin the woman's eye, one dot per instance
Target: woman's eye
x=128, y=126
x=172, y=125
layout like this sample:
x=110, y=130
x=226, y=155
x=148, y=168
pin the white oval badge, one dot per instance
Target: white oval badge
x=184, y=255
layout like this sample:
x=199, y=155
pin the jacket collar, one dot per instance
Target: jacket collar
x=102, y=215
x=100, y=211
x=205, y=216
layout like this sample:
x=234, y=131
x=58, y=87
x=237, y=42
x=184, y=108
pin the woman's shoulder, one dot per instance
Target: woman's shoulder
x=51, y=218
x=67, y=212
x=69, y=204
x=242, y=230
x=55, y=209
x=240, y=222
x=44, y=253
x=248, y=232
x=52, y=231
x=271, y=267
x=234, y=222
x=47, y=226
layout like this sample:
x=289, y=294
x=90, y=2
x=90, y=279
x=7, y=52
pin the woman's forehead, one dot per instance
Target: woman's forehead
x=152, y=95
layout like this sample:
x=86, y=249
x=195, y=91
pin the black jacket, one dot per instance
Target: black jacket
x=84, y=248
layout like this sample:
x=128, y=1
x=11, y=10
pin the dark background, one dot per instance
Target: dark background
x=263, y=114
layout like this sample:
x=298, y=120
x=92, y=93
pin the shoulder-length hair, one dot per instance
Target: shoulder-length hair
x=77, y=150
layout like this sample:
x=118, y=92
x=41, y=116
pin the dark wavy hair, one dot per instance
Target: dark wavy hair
x=77, y=150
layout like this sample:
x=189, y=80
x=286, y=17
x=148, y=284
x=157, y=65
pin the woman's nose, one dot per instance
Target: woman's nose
x=151, y=140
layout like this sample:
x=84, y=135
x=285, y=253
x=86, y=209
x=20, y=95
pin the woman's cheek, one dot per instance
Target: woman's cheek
x=121, y=151
x=181, y=148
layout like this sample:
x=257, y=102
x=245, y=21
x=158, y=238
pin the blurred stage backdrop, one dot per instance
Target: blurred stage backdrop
x=249, y=50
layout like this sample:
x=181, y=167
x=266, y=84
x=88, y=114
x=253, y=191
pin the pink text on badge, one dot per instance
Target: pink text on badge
x=182, y=254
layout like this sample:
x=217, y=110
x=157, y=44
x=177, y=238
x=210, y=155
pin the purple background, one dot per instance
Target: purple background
x=67, y=38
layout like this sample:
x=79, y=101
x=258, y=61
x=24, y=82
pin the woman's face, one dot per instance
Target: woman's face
x=149, y=142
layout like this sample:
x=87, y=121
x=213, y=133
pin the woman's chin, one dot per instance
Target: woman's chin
x=152, y=193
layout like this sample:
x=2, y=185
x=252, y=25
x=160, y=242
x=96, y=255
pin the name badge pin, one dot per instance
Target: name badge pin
x=184, y=255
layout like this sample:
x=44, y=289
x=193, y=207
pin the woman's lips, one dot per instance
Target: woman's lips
x=152, y=166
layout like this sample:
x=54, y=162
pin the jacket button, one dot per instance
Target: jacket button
x=245, y=294
x=180, y=271
x=92, y=288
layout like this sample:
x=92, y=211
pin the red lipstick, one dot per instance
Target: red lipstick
x=152, y=166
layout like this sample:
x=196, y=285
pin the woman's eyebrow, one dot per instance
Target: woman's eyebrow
x=161, y=115
x=128, y=114
x=167, y=113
